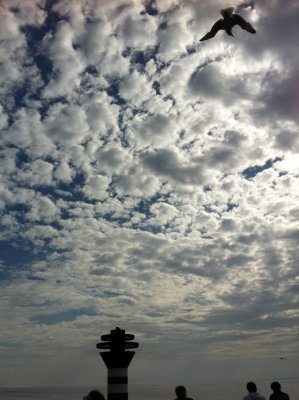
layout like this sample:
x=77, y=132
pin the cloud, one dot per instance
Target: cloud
x=152, y=130
x=279, y=97
x=207, y=82
x=67, y=63
x=169, y=164
x=150, y=182
x=287, y=140
x=42, y=208
x=96, y=187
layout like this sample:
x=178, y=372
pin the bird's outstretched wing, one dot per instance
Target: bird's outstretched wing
x=238, y=20
x=215, y=28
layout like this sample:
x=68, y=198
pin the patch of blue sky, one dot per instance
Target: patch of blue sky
x=111, y=188
x=154, y=314
x=45, y=105
x=111, y=294
x=160, y=65
x=64, y=316
x=35, y=278
x=171, y=98
x=18, y=255
x=19, y=95
x=139, y=226
x=17, y=209
x=72, y=190
x=34, y=36
x=14, y=258
x=74, y=187
x=119, y=220
x=143, y=207
x=154, y=229
x=8, y=348
x=187, y=146
x=150, y=8
x=247, y=4
x=163, y=26
x=145, y=204
x=210, y=208
x=113, y=91
x=251, y=172
x=141, y=57
x=230, y=206
x=91, y=70
x=282, y=173
x=157, y=87
x=17, y=99
x=191, y=49
x=122, y=135
x=188, y=229
x=10, y=345
x=21, y=158
x=197, y=298
x=204, y=234
x=87, y=81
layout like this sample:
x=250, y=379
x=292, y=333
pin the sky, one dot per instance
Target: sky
x=149, y=181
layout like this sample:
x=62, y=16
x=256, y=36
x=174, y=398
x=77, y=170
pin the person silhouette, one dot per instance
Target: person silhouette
x=181, y=393
x=252, y=392
x=277, y=393
x=94, y=395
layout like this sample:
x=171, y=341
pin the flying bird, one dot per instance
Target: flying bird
x=226, y=23
x=283, y=358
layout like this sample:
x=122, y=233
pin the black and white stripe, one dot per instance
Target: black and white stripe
x=117, y=383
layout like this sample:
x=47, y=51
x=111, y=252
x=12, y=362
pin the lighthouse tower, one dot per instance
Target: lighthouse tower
x=117, y=361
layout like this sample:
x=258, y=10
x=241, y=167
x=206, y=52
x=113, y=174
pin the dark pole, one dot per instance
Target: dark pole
x=117, y=361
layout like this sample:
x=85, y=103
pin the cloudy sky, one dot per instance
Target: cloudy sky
x=148, y=181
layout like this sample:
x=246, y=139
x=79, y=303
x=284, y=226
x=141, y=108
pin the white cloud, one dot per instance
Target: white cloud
x=129, y=89
x=31, y=12
x=66, y=124
x=101, y=114
x=38, y=173
x=63, y=173
x=96, y=187
x=287, y=140
x=67, y=62
x=150, y=183
x=113, y=157
x=156, y=131
x=42, y=208
x=3, y=118
x=170, y=164
x=137, y=31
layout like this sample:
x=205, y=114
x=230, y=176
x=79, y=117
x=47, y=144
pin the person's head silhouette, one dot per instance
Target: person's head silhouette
x=181, y=392
x=275, y=386
x=251, y=387
x=94, y=395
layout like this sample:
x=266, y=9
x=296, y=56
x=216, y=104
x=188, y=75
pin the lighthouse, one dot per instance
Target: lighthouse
x=117, y=360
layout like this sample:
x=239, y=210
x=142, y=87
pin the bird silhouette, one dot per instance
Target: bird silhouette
x=226, y=23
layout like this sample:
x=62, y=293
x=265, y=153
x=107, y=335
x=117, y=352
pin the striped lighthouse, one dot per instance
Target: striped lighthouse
x=117, y=361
